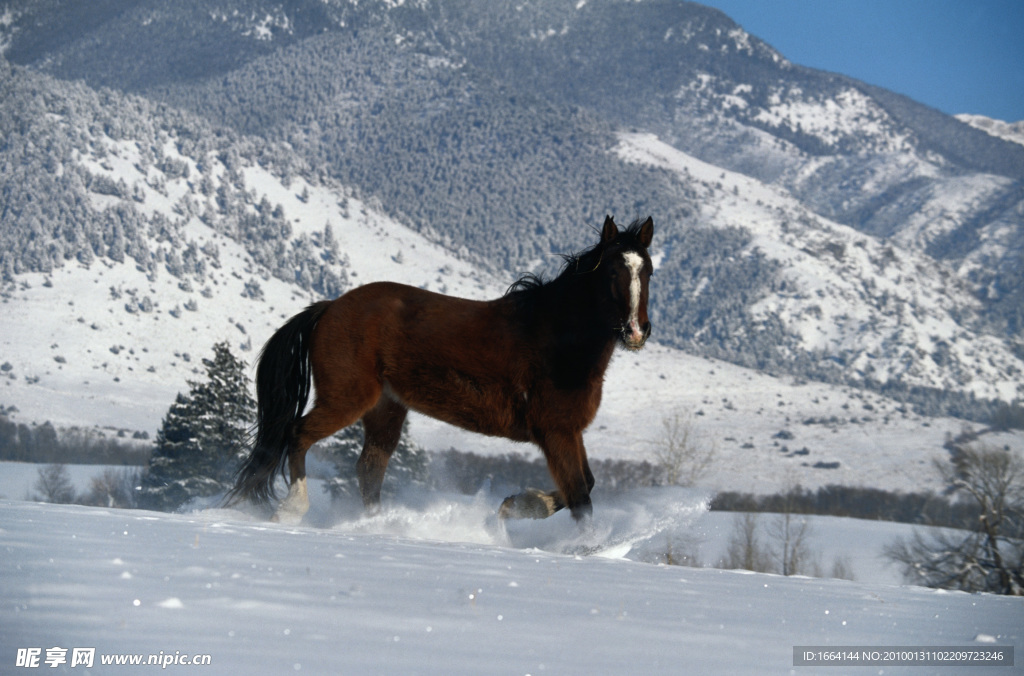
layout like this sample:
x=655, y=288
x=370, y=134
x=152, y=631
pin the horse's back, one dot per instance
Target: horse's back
x=391, y=312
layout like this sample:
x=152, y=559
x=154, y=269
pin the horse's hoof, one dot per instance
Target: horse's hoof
x=294, y=507
x=287, y=518
x=531, y=504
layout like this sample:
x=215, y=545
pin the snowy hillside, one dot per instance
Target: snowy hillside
x=886, y=314
x=205, y=237
x=263, y=599
x=250, y=160
x=109, y=342
x=1011, y=131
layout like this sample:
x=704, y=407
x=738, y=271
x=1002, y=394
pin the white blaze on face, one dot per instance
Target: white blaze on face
x=634, y=263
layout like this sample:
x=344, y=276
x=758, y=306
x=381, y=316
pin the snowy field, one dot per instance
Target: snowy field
x=434, y=585
x=644, y=524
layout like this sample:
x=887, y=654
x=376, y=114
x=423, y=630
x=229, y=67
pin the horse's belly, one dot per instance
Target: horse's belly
x=486, y=408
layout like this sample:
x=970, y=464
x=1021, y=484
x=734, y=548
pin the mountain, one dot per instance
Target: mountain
x=1009, y=131
x=136, y=235
x=244, y=156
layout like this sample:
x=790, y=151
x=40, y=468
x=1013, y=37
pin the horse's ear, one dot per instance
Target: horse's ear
x=646, y=233
x=609, y=232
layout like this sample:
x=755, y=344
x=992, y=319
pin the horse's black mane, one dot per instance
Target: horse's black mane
x=580, y=262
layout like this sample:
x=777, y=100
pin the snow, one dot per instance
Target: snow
x=884, y=310
x=641, y=524
x=1008, y=131
x=354, y=598
x=848, y=112
x=79, y=312
x=7, y=20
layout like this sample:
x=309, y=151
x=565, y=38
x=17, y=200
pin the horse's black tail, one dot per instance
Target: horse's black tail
x=283, y=383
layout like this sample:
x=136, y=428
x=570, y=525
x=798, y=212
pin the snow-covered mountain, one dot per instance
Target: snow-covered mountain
x=888, y=312
x=1011, y=131
x=833, y=260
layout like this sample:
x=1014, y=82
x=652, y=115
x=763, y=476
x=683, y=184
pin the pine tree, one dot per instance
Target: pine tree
x=203, y=436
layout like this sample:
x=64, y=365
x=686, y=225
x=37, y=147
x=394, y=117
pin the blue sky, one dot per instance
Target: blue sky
x=960, y=56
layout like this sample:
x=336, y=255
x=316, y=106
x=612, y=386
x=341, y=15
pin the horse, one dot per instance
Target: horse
x=528, y=366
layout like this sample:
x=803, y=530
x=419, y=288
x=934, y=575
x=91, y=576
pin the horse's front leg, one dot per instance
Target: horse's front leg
x=534, y=503
x=567, y=463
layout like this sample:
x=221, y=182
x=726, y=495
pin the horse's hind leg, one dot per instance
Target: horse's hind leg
x=382, y=426
x=322, y=421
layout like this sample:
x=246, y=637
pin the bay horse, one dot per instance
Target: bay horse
x=528, y=366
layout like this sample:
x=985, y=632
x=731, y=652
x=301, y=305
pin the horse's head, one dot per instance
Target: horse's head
x=625, y=269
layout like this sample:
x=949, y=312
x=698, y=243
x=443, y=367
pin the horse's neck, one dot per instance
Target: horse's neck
x=579, y=334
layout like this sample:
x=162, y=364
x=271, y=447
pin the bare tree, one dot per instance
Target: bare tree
x=790, y=532
x=842, y=569
x=745, y=549
x=679, y=452
x=54, y=485
x=115, y=487
x=989, y=556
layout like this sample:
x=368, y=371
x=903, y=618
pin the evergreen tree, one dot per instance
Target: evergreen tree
x=203, y=436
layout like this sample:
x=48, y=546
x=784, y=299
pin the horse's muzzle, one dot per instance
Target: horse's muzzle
x=634, y=338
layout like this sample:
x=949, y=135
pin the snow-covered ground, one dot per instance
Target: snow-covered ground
x=438, y=588
x=644, y=525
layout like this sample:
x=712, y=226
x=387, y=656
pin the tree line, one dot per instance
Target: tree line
x=23, y=442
